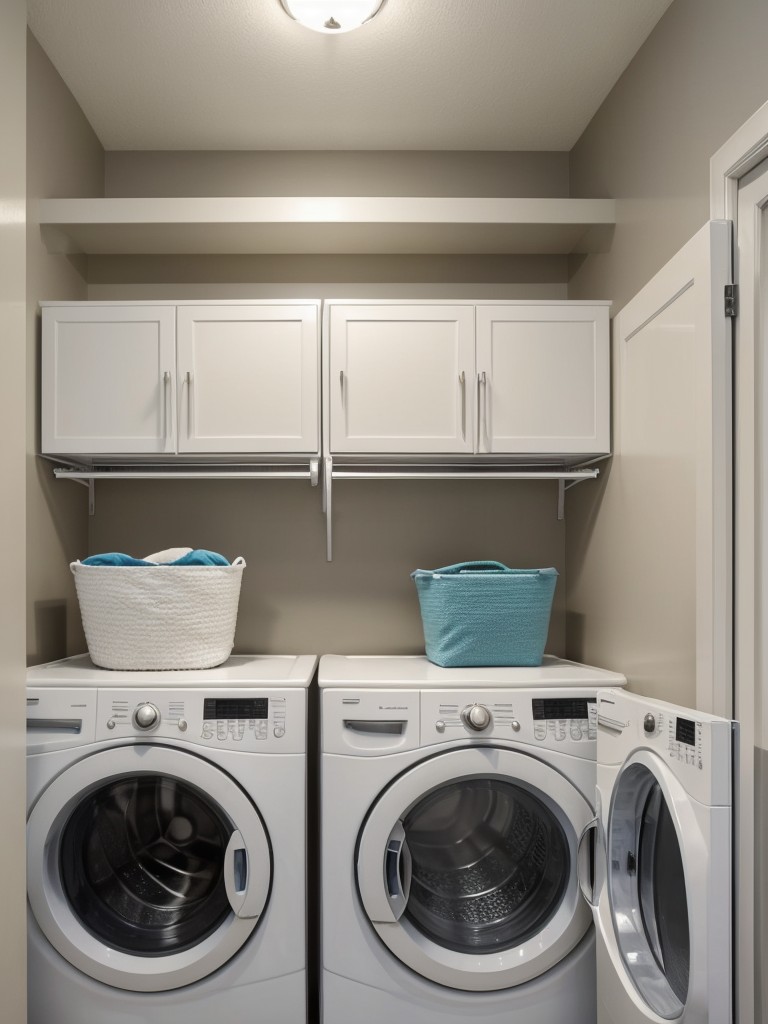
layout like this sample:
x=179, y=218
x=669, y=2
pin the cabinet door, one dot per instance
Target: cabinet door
x=108, y=379
x=401, y=378
x=544, y=379
x=248, y=378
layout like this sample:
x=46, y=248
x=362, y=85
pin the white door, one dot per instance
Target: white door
x=544, y=379
x=147, y=867
x=466, y=868
x=249, y=378
x=401, y=379
x=668, y=608
x=108, y=379
x=662, y=894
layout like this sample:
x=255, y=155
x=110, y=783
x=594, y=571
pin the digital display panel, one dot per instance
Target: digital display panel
x=235, y=707
x=561, y=707
x=685, y=731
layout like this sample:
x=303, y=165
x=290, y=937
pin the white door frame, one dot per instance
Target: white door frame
x=745, y=150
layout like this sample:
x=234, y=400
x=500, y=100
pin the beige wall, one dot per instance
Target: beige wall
x=363, y=602
x=12, y=312
x=349, y=173
x=64, y=159
x=700, y=74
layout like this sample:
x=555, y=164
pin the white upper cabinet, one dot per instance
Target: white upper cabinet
x=400, y=378
x=172, y=378
x=248, y=378
x=108, y=379
x=528, y=379
x=544, y=379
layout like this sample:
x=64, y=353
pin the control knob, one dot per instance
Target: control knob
x=649, y=723
x=146, y=716
x=476, y=717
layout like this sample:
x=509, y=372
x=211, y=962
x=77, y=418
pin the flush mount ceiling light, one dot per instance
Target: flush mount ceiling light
x=332, y=15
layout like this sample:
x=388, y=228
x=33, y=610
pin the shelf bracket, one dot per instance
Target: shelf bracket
x=90, y=484
x=561, y=499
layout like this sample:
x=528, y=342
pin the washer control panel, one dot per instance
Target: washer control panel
x=239, y=720
x=562, y=719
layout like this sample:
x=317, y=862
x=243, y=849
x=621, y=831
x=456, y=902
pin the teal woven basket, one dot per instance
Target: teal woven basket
x=483, y=613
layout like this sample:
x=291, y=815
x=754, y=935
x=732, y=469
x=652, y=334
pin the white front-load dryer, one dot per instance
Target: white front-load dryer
x=166, y=843
x=453, y=802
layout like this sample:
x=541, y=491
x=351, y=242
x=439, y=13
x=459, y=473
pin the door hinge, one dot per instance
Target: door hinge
x=731, y=300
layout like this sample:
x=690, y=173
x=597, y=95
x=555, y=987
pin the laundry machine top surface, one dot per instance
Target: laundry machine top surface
x=417, y=672
x=249, y=670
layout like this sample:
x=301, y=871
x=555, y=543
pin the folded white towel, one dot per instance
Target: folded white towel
x=169, y=555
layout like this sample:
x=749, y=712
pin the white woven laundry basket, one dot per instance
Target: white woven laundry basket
x=161, y=616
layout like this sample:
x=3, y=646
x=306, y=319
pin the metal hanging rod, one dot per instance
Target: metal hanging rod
x=575, y=475
x=88, y=475
x=189, y=474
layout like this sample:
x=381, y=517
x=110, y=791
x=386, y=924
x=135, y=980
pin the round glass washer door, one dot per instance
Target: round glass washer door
x=466, y=868
x=647, y=888
x=148, y=867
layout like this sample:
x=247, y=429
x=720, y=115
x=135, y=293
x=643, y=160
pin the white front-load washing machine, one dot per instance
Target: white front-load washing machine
x=167, y=843
x=453, y=802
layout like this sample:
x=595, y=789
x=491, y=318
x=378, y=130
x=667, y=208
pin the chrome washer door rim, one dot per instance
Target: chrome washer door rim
x=453, y=969
x=52, y=910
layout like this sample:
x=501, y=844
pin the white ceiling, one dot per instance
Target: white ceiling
x=424, y=74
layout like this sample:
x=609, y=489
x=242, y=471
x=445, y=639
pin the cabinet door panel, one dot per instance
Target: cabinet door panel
x=547, y=385
x=248, y=378
x=108, y=379
x=401, y=378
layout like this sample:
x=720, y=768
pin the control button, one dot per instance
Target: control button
x=279, y=732
x=440, y=726
x=207, y=732
x=221, y=730
x=560, y=730
x=182, y=725
x=146, y=716
x=111, y=723
x=575, y=731
x=540, y=731
x=515, y=725
x=476, y=717
x=649, y=723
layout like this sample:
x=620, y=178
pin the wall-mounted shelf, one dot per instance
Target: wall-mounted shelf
x=317, y=225
x=88, y=475
x=566, y=477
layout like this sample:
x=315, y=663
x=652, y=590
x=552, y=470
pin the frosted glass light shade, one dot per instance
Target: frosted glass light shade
x=332, y=15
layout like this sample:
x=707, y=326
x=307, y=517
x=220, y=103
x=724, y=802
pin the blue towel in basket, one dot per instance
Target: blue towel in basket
x=197, y=557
